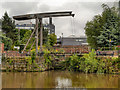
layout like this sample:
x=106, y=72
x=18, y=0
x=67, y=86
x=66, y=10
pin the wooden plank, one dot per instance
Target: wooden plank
x=36, y=36
x=29, y=38
x=41, y=35
x=31, y=46
x=47, y=14
x=33, y=43
x=50, y=23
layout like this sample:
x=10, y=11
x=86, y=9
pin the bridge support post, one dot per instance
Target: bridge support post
x=50, y=24
x=41, y=34
x=36, y=36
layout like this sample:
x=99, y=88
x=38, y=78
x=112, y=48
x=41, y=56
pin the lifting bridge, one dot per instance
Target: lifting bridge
x=38, y=17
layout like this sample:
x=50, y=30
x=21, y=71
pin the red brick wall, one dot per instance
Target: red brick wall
x=67, y=49
x=75, y=49
x=1, y=47
x=110, y=52
x=14, y=54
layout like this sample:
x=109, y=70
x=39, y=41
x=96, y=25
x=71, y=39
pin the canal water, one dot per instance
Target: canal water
x=58, y=79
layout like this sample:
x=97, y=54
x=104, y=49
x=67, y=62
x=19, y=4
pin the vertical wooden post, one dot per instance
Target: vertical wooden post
x=41, y=34
x=50, y=24
x=119, y=32
x=62, y=40
x=36, y=36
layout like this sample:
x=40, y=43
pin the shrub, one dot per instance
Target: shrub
x=33, y=56
x=90, y=62
x=48, y=58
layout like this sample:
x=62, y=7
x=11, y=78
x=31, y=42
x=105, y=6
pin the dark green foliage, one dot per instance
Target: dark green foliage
x=110, y=27
x=48, y=58
x=7, y=42
x=92, y=30
x=26, y=38
x=16, y=40
x=87, y=64
x=21, y=48
x=108, y=65
x=101, y=66
x=8, y=26
x=74, y=62
x=45, y=36
x=33, y=56
x=52, y=39
x=103, y=28
x=22, y=33
x=90, y=64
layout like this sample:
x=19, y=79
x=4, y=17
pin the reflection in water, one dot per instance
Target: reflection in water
x=58, y=79
x=63, y=82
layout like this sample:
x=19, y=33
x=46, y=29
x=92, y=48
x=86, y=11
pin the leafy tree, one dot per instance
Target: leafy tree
x=8, y=26
x=7, y=42
x=110, y=27
x=45, y=36
x=103, y=28
x=26, y=37
x=16, y=40
x=52, y=39
x=22, y=33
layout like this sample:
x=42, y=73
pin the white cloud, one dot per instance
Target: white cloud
x=18, y=8
x=84, y=11
x=58, y=1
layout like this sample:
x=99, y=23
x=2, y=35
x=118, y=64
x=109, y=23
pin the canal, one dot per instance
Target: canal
x=58, y=79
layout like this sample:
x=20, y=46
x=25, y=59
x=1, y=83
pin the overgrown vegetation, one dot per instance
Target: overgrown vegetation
x=7, y=42
x=90, y=64
x=26, y=38
x=48, y=59
x=48, y=49
x=52, y=39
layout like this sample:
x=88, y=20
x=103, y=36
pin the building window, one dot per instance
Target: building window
x=78, y=40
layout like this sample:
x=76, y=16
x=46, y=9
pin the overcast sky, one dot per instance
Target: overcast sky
x=84, y=11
